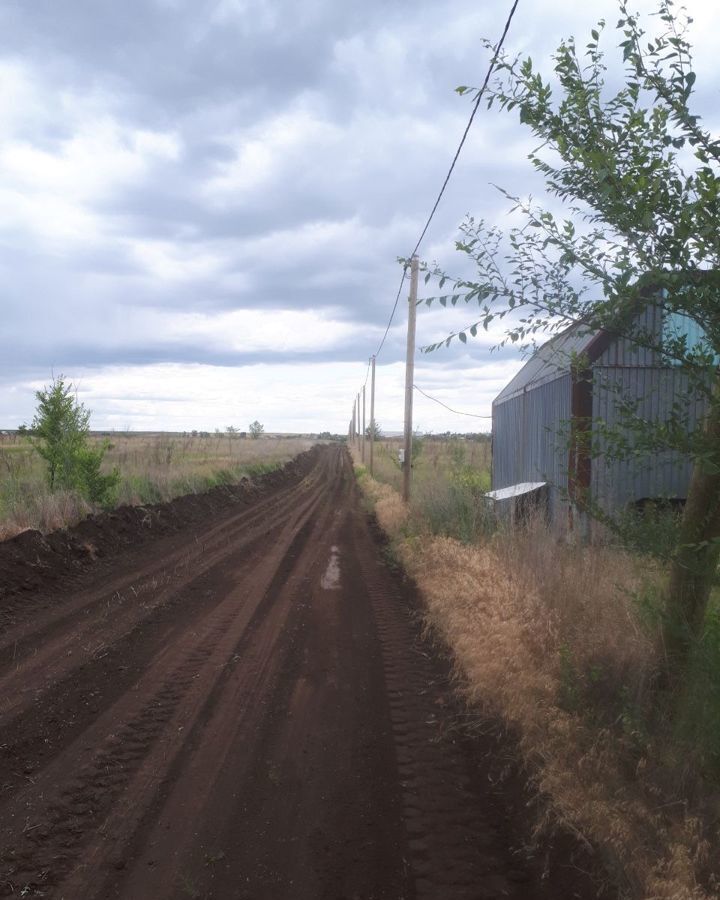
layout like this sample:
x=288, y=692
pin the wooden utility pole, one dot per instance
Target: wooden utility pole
x=410, y=377
x=352, y=427
x=372, y=414
x=362, y=442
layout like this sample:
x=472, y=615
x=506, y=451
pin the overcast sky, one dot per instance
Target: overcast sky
x=202, y=201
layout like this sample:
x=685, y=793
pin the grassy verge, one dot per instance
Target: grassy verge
x=562, y=642
x=449, y=480
x=153, y=469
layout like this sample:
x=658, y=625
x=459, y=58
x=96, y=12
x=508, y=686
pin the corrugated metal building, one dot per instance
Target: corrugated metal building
x=573, y=382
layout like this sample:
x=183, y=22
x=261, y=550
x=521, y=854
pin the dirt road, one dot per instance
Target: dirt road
x=238, y=704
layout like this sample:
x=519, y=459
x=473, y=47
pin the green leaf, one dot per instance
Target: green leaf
x=463, y=337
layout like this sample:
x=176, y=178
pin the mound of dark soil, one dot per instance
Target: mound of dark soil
x=32, y=560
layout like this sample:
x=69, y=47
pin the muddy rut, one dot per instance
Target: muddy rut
x=238, y=704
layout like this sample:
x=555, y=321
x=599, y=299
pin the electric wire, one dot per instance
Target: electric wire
x=456, y=411
x=445, y=183
x=476, y=105
x=394, y=309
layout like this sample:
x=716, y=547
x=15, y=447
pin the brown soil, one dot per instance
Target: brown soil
x=228, y=697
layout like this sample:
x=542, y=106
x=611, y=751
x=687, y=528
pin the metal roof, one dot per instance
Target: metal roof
x=549, y=361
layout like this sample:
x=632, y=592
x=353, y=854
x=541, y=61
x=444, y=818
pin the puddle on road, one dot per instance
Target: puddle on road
x=330, y=581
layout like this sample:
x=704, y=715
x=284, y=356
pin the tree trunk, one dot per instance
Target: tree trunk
x=695, y=563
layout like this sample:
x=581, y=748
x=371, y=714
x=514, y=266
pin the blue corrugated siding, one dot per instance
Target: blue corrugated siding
x=527, y=441
x=616, y=483
x=676, y=326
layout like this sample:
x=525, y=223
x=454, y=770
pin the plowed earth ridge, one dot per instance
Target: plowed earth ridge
x=239, y=705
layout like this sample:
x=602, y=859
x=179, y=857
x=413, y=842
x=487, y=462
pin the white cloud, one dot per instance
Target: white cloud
x=254, y=16
x=64, y=156
x=283, y=397
x=172, y=262
x=269, y=149
x=90, y=165
x=273, y=332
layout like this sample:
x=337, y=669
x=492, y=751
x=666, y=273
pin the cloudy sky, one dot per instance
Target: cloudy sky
x=202, y=201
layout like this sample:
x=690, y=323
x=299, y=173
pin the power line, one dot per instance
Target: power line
x=445, y=183
x=475, y=108
x=469, y=124
x=392, y=314
x=456, y=411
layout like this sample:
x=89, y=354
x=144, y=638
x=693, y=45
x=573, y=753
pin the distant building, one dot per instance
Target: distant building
x=573, y=383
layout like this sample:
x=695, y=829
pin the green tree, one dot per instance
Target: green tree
x=256, y=429
x=58, y=430
x=638, y=175
x=374, y=432
x=60, y=434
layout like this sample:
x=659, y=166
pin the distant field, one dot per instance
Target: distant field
x=153, y=468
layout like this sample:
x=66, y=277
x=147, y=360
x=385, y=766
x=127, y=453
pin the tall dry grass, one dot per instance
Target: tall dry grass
x=556, y=640
x=450, y=477
x=153, y=468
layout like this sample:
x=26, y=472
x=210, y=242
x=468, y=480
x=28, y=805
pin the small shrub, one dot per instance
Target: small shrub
x=93, y=484
x=651, y=530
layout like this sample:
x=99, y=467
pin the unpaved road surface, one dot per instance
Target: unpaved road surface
x=232, y=700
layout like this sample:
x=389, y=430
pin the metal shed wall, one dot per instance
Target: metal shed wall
x=625, y=352
x=528, y=443
x=662, y=475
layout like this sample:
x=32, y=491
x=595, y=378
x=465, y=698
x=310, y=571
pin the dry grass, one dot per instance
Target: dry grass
x=450, y=477
x=434, y=458
x=153, y=468
x=552, y=638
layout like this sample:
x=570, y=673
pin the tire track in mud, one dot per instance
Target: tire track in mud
x=284, y=779
x=44, y=850
x=75, y=701
x=215, y=541
x=462, y=841
x=274, y=728
x=450, y=837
